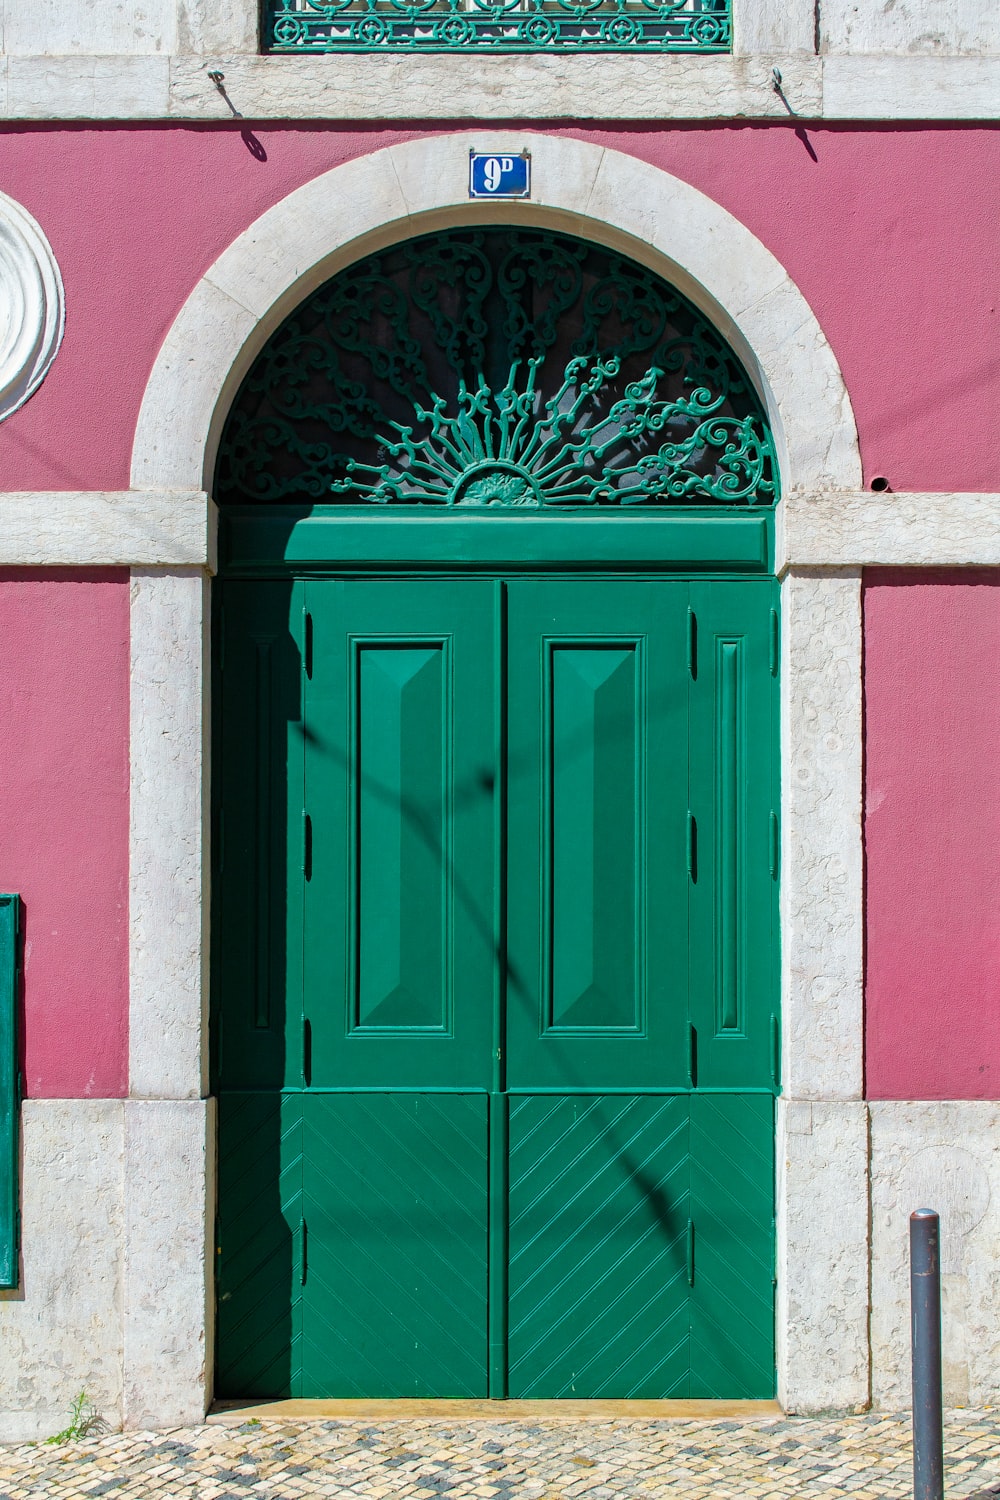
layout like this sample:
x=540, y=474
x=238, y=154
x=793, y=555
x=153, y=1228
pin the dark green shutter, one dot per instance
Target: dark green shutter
x=10, y=907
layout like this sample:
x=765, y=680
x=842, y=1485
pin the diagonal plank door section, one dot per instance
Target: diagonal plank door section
x=395, y=1293
x=599, y=1211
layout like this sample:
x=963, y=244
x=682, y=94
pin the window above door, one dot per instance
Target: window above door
x=498, y=25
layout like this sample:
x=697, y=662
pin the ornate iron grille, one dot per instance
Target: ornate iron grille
x=499, y=25
x=497, y=367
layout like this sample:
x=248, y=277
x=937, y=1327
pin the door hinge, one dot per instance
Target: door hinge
x=692, y=1057
x=692, y=847
x=307, y=644
x=692, y=643
x=774, y=639
x=773, y=851
x=303, y=1251
x=690, y=1252
x=307, y=846
x=775, y=1052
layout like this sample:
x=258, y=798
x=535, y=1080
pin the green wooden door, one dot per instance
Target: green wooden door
x=497, y=907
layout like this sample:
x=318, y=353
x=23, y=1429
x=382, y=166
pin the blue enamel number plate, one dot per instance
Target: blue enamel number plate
x=492, y=175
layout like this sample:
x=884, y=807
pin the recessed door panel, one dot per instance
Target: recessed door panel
x=593, y=785
x=258, y=911
x=400, y=833
x=400, y=936
x=733, y=892
x=596, y=879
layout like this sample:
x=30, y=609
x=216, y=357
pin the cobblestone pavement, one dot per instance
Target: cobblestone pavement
x=867, y=1458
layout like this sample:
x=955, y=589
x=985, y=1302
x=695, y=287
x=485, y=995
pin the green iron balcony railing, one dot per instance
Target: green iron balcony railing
x=495, y=26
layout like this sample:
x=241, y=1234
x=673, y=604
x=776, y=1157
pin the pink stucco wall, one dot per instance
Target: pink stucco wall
x=864, y=218
x=932, y=834
x=64, y=820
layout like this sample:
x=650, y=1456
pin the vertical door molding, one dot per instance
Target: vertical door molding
x=822, y=1144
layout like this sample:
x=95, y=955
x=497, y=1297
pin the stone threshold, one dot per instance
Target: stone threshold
x=230, y=1412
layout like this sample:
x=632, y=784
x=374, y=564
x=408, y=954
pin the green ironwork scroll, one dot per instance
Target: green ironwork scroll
x=501, y=368
x=499, y=25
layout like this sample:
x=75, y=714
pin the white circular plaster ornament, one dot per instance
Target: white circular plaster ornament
x=32, y=307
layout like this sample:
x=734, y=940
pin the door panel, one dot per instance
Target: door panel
x=401, y=784
x=259, y=1281
x=732, y=1207
x=396, y=1209
x=597, y=799
x=599, y=1191
x=258, y=898
x=593, y=787
x=733, y=801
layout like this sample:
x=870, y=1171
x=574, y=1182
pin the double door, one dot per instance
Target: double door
x=496, y=987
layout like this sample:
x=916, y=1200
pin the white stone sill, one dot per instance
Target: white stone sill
x=587, y=86
x=178, y=529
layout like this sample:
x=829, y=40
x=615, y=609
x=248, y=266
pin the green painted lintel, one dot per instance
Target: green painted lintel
x=255, y=540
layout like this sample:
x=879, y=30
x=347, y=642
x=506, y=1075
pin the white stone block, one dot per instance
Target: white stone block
x=85, y=28
x=432, y=86
x=762, y=26
x=168, y=1286
x=943, y=1155
x=187, y=397
x=433, y=173
x=61, y=1330
x=688, y=228
x=107, y=528
x=87, y=88
x=821, y=868
x=295, y=246
x=168, y=836
x=935, y=27
x=212, y=26
x=813, y=408
x=911, y=88
x=904, y=530
x=822, y=1270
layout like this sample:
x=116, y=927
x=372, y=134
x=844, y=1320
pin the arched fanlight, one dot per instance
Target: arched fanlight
x=497, y=367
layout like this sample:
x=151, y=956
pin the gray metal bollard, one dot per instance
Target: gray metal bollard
x=925, y=1324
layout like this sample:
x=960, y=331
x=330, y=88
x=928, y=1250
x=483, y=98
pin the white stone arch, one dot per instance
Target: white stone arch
x=599, y=194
